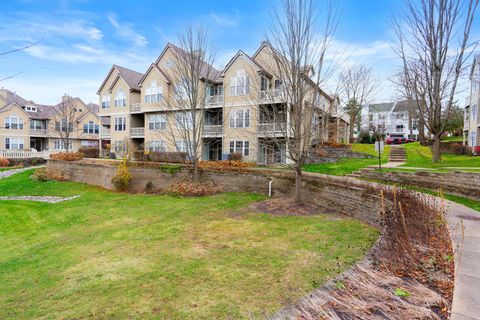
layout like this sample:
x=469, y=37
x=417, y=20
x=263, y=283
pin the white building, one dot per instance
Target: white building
x=389, y=118
x=471, y=124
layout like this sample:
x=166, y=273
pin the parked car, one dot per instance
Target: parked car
x=394, y=140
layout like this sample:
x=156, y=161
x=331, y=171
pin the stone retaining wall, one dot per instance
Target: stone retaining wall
x=333, y=154
x=465, y=184
x=332, y=194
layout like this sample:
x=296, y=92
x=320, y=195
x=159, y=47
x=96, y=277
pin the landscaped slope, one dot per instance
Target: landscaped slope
x=111, y=255
x=421, y=156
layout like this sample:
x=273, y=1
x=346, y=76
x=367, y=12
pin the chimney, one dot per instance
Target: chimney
x=66, y=97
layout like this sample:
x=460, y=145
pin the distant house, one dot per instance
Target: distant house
x=26, y=125
x=390, y=119
x=471, y=125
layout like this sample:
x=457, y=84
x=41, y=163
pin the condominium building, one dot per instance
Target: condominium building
x=390, y=119
x=471, y=124
x=26, y=125
x=138, y=109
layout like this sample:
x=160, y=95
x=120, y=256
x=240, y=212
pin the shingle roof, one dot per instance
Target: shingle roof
x=401, y=106
x=12, y=97
x=380, y=107
x=132, y=78
x=43, y=112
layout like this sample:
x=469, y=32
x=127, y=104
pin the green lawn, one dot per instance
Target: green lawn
x=421, y=156
x=349, y=165
x=108, y=255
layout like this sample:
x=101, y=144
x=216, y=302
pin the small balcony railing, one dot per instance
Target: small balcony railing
x=135, y=107
x=213, y=100
x=39, y=132
x=272, y=128
x=137, y=132
x=105, y=133
x=269, y=95
x=212, y=130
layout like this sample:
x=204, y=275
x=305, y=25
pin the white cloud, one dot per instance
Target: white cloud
x=224, y=20
x=125, y=30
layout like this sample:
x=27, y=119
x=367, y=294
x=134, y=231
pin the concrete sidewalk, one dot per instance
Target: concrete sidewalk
x=464, y=226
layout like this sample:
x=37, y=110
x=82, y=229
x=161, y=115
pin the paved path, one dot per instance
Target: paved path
x=464, y=226
x=48, y=199
x=8, y=173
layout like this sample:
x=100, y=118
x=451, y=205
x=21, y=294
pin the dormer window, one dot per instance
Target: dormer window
x=30, y=109
x=154, y=93
x=120, y=98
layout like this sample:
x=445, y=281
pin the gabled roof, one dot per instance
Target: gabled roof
x=153, y=66
x=208, y=72
x=380, y=107
x=242, y=54
x=12, y=97
x=13, y=105
x=130, y=77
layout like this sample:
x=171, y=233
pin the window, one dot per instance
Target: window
x=399, y=127
x=37, y=125
x=59, y=144
x=473, y=139
x=14, y=122
x=264, y=83
x=184, y=120
x=240, y=146
x=183, y=146
x=120, y=98
x=120, y=124
x=240, y=84
x=181, y=89
x=240, y=119
x=157, y=122
x=106, y=101
x=474, y=111
x=90, y=127
x=31, y=109
x=119, y=146
x=153, y=93
x=157, y=146
x=63, y=125
x=370, y=117
x=14, y=143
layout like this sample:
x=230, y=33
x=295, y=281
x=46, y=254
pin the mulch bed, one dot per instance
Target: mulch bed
x=286, y=207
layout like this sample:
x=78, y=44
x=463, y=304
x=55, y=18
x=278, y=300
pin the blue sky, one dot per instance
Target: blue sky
x=83, y=38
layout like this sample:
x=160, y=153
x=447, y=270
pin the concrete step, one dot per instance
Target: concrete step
x=397, y=160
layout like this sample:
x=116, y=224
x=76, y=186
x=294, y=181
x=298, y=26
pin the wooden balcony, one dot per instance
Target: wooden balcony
x=104, y=133
x=38, y=132
x=136, y=107
x=212, y=101
x=272, y=129
x=212, y=130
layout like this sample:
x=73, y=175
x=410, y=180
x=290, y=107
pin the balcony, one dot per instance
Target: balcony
x=105, y=133
x=137, y=132
x=212, y=130
x=38, y=132
x=271, y=96
x=214, y=100
x=274, y=129
x=135, y=107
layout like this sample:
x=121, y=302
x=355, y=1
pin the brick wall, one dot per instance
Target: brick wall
x=332, y=194
x=466, y=184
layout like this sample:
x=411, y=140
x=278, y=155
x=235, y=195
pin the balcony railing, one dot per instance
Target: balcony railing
x=267, y=128
x=266, y=95
x=135, y=107
x=212, y=130
x=137, y=132
x=39, y=132
x=105, y=133
x=216, y=99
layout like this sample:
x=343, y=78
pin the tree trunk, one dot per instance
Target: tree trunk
x=352, y=128
x=298, y=186
x=196, y=176
x=436, y=148
x=421, y=129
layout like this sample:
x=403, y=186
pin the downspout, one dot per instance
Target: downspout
x=270, y=188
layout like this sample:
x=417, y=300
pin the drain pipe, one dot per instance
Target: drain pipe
x=270, y=188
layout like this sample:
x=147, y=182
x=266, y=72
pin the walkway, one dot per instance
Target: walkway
x=464, y=226
x=8, y=173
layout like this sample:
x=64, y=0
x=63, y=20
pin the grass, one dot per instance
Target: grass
x=2, y=169
x=421, y=156
x=116, y=256
x=349, y=165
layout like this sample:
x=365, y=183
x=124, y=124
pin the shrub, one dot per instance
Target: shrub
x=90, y=152
x=139, y=155
x=235, y=156
x=71, y=156
x=4, y=162
x=193, y=189
x=228, y=165
x=461, y=150
x=149, y=187
x=26, y=162
x=170, y=168
x=172, y=157
x=122, y=179
x=40, y=175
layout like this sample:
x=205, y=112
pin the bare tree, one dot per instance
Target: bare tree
x=432, y=61
x=299, y=44
x=358, y=84
x=191, y=75
x=65, y=115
